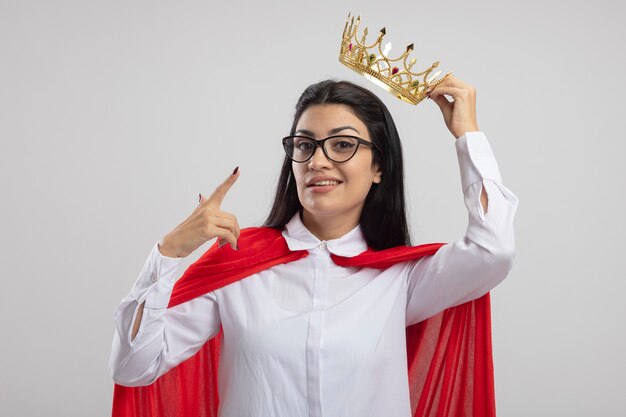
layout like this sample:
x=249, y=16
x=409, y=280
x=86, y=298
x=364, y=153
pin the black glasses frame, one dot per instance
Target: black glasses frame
x=320, y=143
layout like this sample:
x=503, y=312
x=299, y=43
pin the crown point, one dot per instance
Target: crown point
x=409, y=48
x=413, y=61
x=365, y=32
x=383, y=31
x=436, y=64
x=433, y=76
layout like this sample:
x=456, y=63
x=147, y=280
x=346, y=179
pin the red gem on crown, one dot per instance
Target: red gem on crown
x=394, y=70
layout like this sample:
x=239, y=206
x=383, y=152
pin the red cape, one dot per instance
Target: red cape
x=448, y=355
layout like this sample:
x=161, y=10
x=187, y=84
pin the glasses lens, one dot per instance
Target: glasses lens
x=338, y=148
x=341, y=148
x=299, y=148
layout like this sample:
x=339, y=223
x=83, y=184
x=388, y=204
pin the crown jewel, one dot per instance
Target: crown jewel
x=373, y=62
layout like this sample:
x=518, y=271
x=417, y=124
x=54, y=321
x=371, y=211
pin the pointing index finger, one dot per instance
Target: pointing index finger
x=220, y=192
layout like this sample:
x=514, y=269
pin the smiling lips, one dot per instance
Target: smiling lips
x=321, y=182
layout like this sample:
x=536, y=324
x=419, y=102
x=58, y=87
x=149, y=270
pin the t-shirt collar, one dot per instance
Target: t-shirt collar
x=298, y=237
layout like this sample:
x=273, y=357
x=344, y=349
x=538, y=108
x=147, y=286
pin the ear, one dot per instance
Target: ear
x=377, y=175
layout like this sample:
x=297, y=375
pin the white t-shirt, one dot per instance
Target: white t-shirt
x=310, y=338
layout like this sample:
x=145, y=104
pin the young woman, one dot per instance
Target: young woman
x=309, y=337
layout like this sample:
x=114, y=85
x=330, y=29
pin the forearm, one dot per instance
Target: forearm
x=137, y=321
x=483, y=199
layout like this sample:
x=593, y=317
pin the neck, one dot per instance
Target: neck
x=331, y=227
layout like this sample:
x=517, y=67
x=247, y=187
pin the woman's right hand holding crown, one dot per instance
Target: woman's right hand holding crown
x=206, y=222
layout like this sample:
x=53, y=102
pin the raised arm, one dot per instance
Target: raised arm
x=150, y=338
x=475, y=263
x=472, y=265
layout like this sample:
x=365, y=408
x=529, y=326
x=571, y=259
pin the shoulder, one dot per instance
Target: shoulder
x=385, y=258
x=257, y=235
x=257, y=243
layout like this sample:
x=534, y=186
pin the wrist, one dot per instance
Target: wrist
x=462, y=132
x=167, y=248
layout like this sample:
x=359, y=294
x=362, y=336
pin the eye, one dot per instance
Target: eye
x=304, y=145
x=343, y=144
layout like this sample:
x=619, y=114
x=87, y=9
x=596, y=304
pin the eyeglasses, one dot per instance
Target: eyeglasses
x=336, y=148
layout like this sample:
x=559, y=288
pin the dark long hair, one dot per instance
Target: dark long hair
x=383, y=218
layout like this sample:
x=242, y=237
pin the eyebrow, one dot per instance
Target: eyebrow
x=330, y=132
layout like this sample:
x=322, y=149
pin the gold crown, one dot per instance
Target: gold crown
x=394, y=75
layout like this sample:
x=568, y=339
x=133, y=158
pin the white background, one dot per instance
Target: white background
x=114, y=115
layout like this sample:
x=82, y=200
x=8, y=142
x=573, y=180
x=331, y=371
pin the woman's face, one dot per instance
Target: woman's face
x=343, y=201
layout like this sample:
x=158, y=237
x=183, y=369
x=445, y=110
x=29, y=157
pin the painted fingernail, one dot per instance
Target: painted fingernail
x=237, y=246
x=235, y=170
x=199, y=197
x=222, y=242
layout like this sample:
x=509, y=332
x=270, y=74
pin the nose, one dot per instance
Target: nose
x=319, y=160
